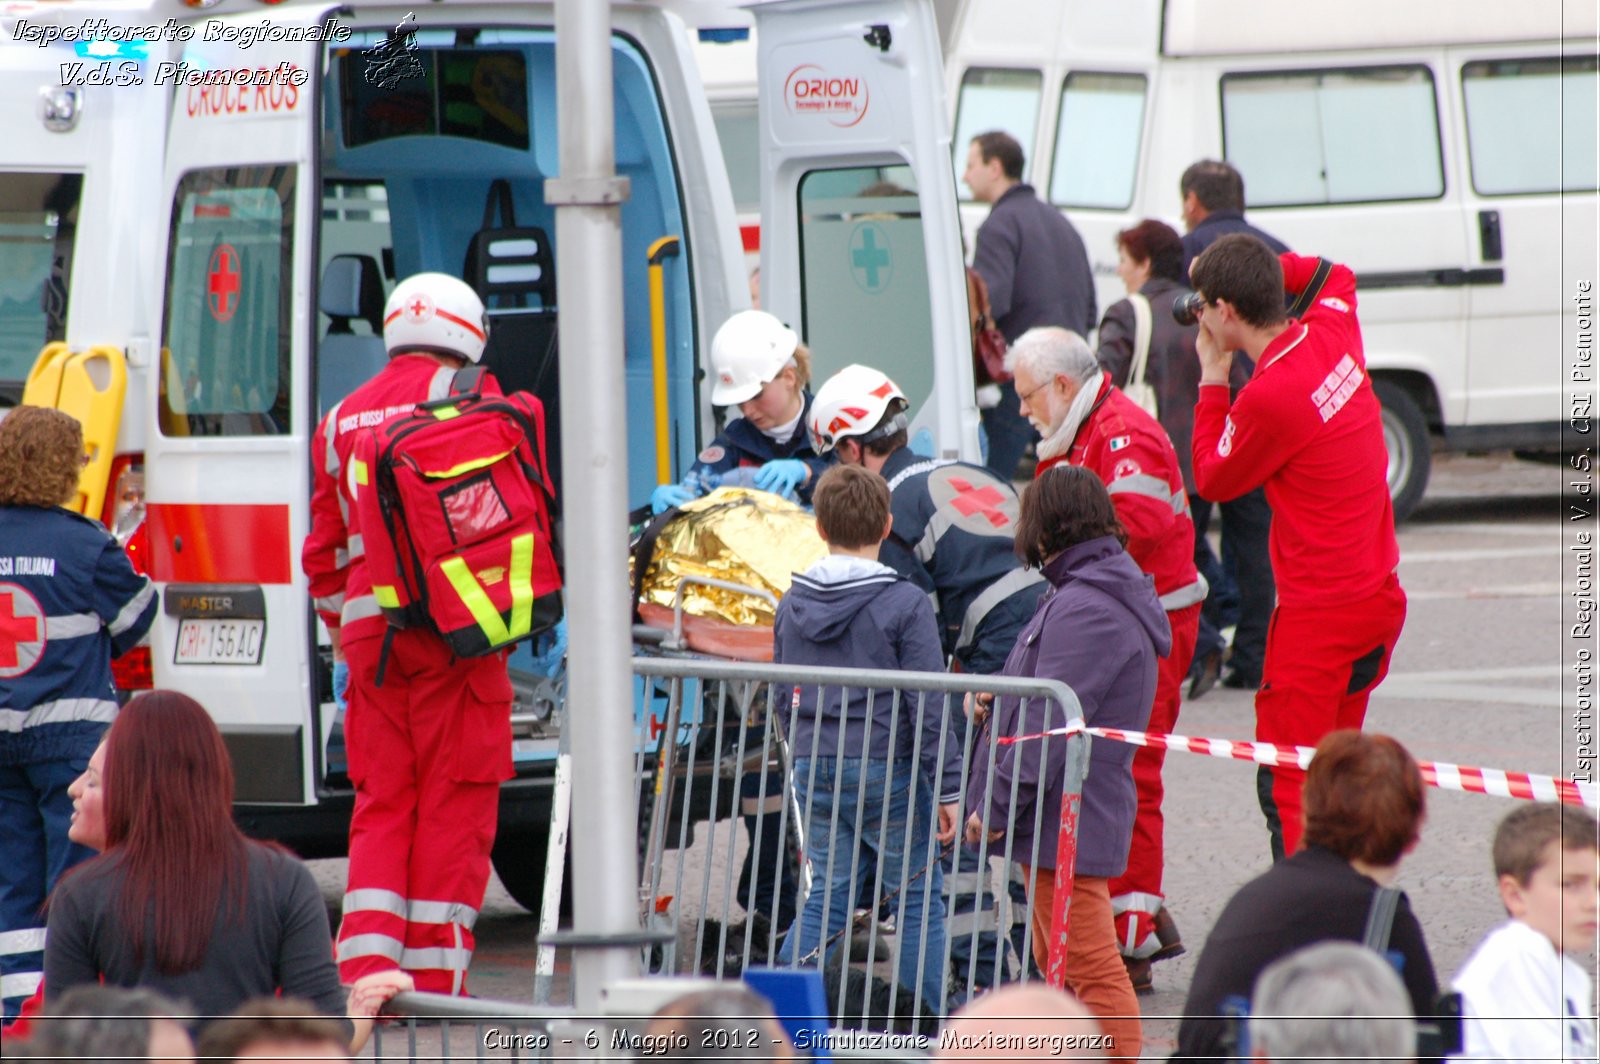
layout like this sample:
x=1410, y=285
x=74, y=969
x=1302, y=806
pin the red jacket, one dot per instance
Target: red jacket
x=1309, y=428
x=1130, y=452
x=333, y=552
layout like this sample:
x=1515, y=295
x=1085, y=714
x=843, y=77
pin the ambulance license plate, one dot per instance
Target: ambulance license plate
x=219, y=642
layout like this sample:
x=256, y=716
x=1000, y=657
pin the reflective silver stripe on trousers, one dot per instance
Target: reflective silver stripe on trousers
x=436, y=958
x=28, y=940
x=374, y=900
x=20, y=985
x=1137, y=902
x=978, y=921
x=60, y=711
x=442, y=912
x=439, y=386
x=341, y=558
x=356, y=546
x=1151, y=487
x=331, y=604
x=992, y=596
x=372, y=945
x=71, y=626
x=130, y=613
x=360, y=608
x=1187, y=595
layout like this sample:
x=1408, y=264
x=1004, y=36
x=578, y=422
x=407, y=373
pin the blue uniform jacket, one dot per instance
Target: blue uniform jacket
x=69, y=602
x=742, y=444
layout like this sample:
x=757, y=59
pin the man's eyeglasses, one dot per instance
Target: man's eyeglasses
x=1028, y=398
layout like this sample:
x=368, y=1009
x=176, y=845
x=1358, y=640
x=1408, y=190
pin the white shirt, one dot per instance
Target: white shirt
x=1523, y=1001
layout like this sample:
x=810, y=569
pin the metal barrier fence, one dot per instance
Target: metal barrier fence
x=848, y=790
x=445, y=1027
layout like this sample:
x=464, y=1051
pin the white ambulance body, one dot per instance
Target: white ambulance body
x=1444, y=150
x=245, y=202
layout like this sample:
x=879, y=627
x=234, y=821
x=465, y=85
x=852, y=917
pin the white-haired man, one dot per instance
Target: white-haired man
x=1332, y=1001
x=1085, y=420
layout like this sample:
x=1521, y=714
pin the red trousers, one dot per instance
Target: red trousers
x=1095, y=972
x=1321, y=667
x=1136, y=894
x=428, y=751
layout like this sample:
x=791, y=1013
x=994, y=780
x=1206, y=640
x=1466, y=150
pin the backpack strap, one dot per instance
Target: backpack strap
x=1318, y=278
x=1380, y=918
x=468, y=380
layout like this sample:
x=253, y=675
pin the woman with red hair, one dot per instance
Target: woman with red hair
x=1364, y=807
x=180, y=900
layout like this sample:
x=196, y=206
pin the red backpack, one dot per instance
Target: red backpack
x=454, y=509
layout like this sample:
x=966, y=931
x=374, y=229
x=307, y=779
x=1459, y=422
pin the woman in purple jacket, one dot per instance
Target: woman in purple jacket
x=1099, y=630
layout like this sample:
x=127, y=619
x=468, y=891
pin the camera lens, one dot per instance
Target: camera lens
x=1186, y=308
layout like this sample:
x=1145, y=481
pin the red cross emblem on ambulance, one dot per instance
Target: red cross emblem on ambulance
x=223, y=282
x=22, y=636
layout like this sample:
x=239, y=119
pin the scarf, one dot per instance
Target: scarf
x=1059, y=442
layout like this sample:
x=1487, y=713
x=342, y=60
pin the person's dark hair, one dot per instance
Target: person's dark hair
x=997, y=144
x=1216, y=184
x=1245, y=272
x=41, y=455
x=1363, y=797
x=283, y=1020
x=1526, y=833
x=1157, y=243
x=1067, y=505
x=852, y=507
x=884, y=446
x=170, y=829
x=95, y=1022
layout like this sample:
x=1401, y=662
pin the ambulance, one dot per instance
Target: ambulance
x=214, y=203
x=1444, y=150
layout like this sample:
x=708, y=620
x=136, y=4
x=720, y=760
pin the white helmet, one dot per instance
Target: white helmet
x=852, y=403
x=750, y=349
x=438, y=313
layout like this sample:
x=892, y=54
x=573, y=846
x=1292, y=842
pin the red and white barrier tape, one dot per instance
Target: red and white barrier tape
x=1439, y=774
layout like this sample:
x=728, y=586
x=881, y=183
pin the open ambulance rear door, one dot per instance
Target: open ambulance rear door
x=861, y=239
x=227, y=474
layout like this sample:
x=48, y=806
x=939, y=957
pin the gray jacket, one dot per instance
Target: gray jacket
x=1035, y=265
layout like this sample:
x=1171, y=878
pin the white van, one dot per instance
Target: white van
x=232, y=215
x=1445, y=150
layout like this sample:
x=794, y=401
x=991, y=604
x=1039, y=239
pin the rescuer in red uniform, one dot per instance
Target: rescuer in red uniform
x=1086, y=421
x=1308, y=427
x=428, y=749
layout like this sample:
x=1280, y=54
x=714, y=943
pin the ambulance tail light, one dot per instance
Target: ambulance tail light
x=124, y=516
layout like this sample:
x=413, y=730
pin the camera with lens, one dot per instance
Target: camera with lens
x=1186, y=308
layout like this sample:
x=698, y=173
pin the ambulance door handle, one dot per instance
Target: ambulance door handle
x=177, y=544
x=1489, y=235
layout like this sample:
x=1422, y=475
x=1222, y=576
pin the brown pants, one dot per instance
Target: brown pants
x=1095, y=972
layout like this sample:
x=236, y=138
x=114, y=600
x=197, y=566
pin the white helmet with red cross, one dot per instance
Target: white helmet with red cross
x=437, y=313
x=750, y=349
x=853, y=403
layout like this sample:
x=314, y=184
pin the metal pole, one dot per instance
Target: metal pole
x=588, y=197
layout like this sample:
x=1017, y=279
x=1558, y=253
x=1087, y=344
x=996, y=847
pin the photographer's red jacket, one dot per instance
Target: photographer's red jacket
x=1308, y=427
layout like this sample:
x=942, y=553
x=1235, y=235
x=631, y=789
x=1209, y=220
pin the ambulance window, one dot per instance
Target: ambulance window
x=477, y=93
x=741, y=142
x=38, y=221
x=226, y=336
x=1097, y=140
x=991, y=98
x=1334, y=136
x=864, y=275
x=1531, y=124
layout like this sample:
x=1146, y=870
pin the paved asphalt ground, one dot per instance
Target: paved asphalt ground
x=1477, y=680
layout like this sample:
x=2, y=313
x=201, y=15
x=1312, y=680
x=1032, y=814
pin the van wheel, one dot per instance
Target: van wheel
x=519, y=860
x=1405, y=437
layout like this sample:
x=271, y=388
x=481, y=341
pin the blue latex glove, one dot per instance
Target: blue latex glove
x=667, y=496
x=550, y=651
x=781, y=476
x=341, y=684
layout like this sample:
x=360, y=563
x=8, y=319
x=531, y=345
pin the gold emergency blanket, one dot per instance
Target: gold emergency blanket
x=740, y=535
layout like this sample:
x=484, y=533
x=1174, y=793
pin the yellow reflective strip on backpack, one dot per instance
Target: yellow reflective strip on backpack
x=521, y=585
x=445, y=413
x=466, y=467
x=387, y=596
x=360, y=468
x=475, y=599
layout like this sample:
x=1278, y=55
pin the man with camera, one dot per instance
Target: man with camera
x=1308, y=427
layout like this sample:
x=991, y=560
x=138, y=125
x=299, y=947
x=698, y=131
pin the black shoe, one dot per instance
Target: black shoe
x=1203, y=676
x=1239, y=680
x=1139, y=976
x=1166, y=930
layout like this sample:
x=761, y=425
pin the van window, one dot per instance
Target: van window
x=1531, y=124
x=38, y=224
x=991, y=99
x=1097, y=140
x=740, y=136
x=481, y=94
x=1334, y=136
x=225, y=363
x=863, y=267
